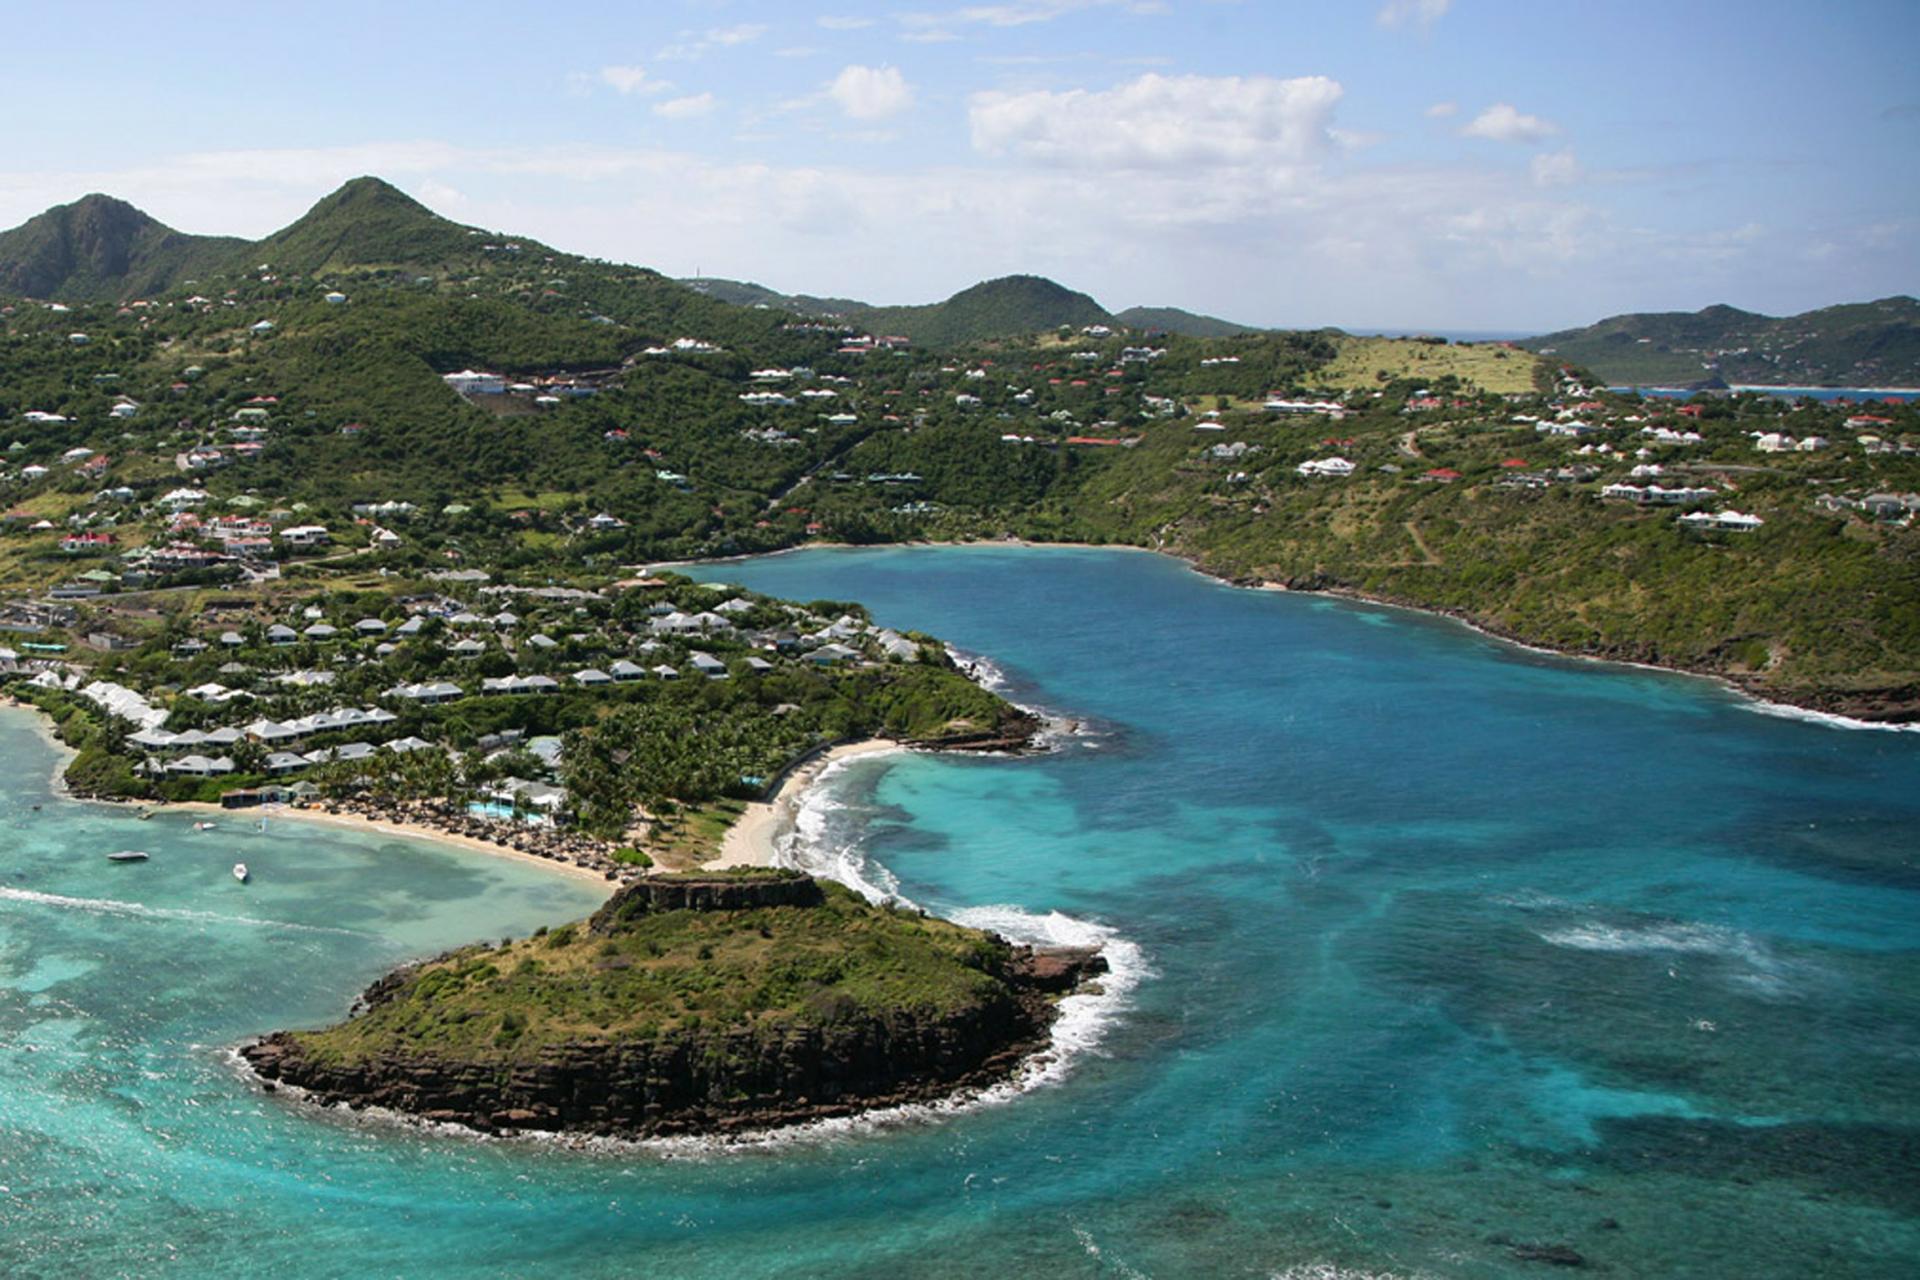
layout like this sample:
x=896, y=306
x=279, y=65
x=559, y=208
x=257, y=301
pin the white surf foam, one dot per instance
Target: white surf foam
x=1332, y=1271
x=1696, y=939
x=815, y=846
x=1826, y=719
x=979, y=668
x=140, y=911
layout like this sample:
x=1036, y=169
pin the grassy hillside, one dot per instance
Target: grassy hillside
x=1867, y=344
x=664, y=972
x=1364, y=362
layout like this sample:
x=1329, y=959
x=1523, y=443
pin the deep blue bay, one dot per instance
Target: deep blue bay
x=1442, y=949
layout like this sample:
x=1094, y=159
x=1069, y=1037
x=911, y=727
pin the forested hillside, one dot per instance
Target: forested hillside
x=1866, y=344
x=600, y=415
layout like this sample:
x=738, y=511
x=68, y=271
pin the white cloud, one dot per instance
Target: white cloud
x=631, y=80
x=1419, y=14
x=1022, y=13
x=1502, y=122
x=1162, y=122
x=871, y=93
x=1443, y=110
x=837, y=23
x=1555, y=168
x=1351, y=242
x=692, y=45
x=687, y=108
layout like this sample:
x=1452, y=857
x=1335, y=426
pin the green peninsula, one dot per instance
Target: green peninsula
x=689, y=1004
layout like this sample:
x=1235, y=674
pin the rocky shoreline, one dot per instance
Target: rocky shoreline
x=715, y=1080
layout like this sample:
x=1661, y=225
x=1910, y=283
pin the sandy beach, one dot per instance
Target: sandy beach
x=236, y=818
x=242, y=818
x=753, y=840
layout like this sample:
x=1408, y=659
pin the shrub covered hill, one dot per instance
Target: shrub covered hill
x=1006, y=308
x=634, y=418
x=1865, y=344
x=99, y=247
x=698, y=1004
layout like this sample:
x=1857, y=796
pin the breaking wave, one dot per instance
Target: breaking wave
x=1825, y=719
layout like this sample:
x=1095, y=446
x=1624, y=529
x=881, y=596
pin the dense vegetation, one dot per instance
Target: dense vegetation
x=1187, y=324
x=1001, y=308
x=1006, y=308
x=102, y=248
x=644, y=744
x=1866, y=344
x=773, y=429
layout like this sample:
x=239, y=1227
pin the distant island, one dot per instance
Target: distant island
x=1866, y=344
x=690, y=1005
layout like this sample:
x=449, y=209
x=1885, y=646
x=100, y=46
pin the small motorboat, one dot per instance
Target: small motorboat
x=128, y=855
x=240, y=872
x=203, y=826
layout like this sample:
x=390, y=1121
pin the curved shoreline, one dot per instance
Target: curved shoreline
x=1754, y=701
x=1905, y=715
x=64, y=754
x=399, y=828
x=754, y=838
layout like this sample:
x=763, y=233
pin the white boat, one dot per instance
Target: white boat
x=128, y=855
x=240, y=872
x=203, y=826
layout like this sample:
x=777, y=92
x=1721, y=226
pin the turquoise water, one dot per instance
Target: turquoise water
x=1441, y=947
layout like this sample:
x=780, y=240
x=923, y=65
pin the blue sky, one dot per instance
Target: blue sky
x=1423, y=163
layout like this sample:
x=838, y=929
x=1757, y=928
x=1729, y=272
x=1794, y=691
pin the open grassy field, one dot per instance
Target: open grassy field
x=1367, y=362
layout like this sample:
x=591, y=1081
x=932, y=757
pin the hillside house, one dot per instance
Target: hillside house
x=1720, y=521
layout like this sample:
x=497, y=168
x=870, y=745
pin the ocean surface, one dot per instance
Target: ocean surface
x=1433, y=953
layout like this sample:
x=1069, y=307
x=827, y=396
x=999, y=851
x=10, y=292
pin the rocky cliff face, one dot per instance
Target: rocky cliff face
x=707, y=1079
x=703, y=893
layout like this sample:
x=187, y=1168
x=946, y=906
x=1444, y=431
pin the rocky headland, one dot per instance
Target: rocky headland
x=700, y=1004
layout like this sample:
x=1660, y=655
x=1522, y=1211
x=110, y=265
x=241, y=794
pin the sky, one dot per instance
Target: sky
x=1432, y=164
